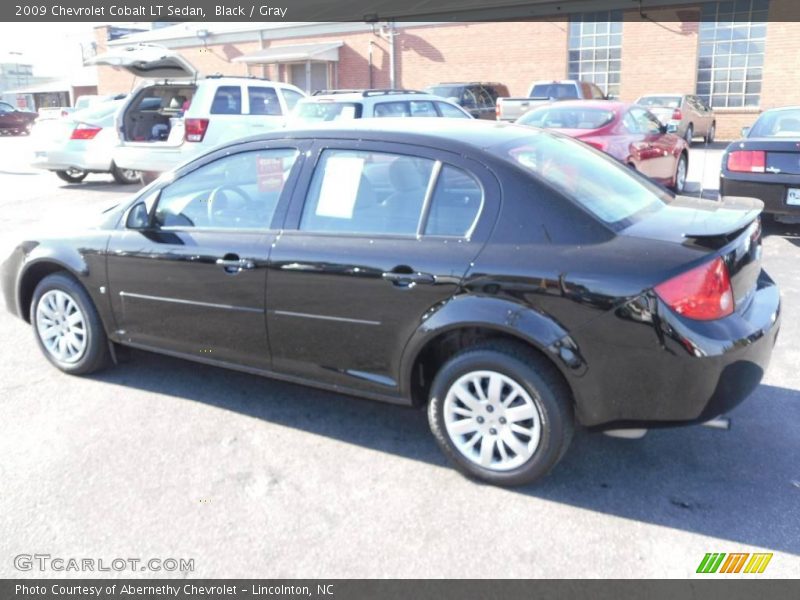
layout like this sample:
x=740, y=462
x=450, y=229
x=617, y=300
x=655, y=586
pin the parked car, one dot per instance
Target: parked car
x=628, y=132
x=15, y=121
x=765, y=163
x=174, y=115
x=689, y=115
x=80, y=144
x=512, y=280
x=545, y=92
x=478, y=98
x=344, y=105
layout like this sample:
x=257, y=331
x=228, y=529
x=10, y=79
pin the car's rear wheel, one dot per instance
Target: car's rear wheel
x=67, y=326
x=501, y=413
x=689, y=134
x=681, y=169
x=72, y=175
x=125, y=176
x=712, y=132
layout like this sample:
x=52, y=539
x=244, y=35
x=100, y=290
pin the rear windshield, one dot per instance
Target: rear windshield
x=327, y=111
x=780, y=123
x=666, y=101
x=99, y=114
x=559, y=117
x=554, y=90
x=600, y=184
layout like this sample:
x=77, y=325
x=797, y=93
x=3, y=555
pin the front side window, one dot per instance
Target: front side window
x=451, y=112
x=599, y=183
x=4, y=107
x=325, y=110
x=227, y=100
x=645, y=121
x=405, y=108
x=264, y=101
x=595, y=49
x=367, y=192
x=240, y=191
x=731, y=52
x=291, y=98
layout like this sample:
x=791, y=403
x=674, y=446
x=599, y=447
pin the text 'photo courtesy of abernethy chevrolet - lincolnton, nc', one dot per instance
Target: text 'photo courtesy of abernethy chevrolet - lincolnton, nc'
x=515, y=280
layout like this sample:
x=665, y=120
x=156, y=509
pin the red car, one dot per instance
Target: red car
x=628, y=132
x=13, y=120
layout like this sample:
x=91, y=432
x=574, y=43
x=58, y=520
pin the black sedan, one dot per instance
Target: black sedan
x=513, y=281
x=765, y=164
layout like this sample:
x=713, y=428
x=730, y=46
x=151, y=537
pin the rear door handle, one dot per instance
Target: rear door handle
x=409, y=279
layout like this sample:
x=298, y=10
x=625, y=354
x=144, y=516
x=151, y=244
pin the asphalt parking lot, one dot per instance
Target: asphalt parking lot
x=162, y=458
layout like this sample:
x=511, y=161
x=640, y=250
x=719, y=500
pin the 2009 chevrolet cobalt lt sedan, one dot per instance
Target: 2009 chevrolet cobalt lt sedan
x=512, y=280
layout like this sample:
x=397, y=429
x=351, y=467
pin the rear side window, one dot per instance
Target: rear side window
x=291, y=98
x=367, y=192
x=455, y=204
x=413, y=108
x=227, y=100
x=264, y=101
x=450, y=111
x=327, y=111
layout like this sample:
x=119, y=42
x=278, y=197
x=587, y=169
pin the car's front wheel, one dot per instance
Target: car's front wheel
x=681, y=170
x=501, y=413
x=67, y=326
x=125, y=176
x=72, y=175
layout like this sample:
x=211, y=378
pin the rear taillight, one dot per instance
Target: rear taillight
x=747, y=161
x=84, y=131
x=497, y=110
x=195, y=129
x=704, y=293
x=677, y=115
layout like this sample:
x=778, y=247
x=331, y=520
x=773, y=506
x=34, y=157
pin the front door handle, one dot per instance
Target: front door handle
x=401, y=279
x=231, y=263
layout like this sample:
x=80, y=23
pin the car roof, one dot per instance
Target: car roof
x=447, y=134
x=615, y=105
x=361, y=97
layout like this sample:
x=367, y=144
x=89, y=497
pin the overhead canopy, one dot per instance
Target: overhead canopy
x=328, y=52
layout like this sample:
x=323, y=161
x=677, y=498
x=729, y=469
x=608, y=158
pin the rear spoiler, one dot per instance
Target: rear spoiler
x=731, y=215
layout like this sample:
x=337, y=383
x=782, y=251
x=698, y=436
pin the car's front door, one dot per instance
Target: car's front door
x=651, y=148
x=377, y=236
x=190, y=278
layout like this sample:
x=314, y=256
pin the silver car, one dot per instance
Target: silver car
x=687, y=115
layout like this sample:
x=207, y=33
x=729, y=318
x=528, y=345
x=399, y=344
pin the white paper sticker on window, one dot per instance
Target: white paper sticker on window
x=337, y=198
x=348, y=112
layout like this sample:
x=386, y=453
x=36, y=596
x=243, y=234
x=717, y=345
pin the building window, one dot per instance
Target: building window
x=731, y=54
x=595, y=49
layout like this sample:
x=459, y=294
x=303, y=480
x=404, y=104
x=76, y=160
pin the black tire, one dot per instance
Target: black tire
x=96, y=354
x=680, y=186
x=125, y=176
x=74, y=176
x=689, y=134
x=711, y=133
x=544, y=385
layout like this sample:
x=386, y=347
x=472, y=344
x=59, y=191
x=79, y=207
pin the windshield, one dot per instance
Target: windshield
x=602, y=185
x=554, y=90
x=560, y=117
x=779, y=123
x=665, y=101
x=327, y=111
x=446, y=91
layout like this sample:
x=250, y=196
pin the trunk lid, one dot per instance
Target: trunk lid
x=147, y=61
x=730, y=228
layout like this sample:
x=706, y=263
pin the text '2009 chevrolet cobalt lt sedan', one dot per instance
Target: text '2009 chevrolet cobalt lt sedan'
x=512, y=280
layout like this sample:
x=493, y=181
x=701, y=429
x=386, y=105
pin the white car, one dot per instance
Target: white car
x=344, y=105
x=79, y=144
x=174, y=115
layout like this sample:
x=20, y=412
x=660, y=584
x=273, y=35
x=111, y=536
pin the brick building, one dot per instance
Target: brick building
x=740, y=55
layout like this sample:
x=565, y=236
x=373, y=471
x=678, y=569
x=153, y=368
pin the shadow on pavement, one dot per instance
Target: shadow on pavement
x=790, y=232
x=100, y=186
x=742, y=485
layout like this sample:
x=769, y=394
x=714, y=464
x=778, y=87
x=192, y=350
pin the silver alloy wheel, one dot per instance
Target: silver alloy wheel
x=131, y=174
x=492, y=420
x=61, y=326
x=73, y=172
x=680, y=175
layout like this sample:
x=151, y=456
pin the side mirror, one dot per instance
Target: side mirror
x=138, y=217
x=663, y=128
x=611, y=97
x=745, y=132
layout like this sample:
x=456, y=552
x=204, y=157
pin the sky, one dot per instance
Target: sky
x=52, y=48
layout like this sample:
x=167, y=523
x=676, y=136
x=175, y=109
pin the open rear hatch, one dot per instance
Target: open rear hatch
x=730, y=229
x=148, y=61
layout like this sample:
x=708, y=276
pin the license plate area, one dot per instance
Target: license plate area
x=793, y=196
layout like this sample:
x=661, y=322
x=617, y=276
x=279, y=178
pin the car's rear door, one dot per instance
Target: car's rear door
x=192, y=281
x=377, y=236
